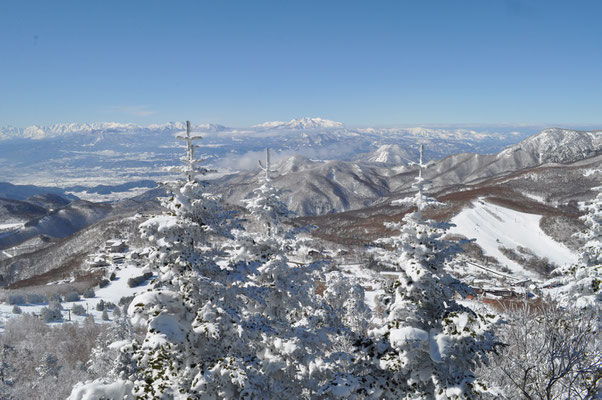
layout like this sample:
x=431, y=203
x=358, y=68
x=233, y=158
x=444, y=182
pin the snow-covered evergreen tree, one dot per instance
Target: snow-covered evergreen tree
x=428, y=345
x=186, y=313
x=230, y=316
x=268, y=211
x=591, y=254
x=583, y=281
x=191, y=315
x=301, y=327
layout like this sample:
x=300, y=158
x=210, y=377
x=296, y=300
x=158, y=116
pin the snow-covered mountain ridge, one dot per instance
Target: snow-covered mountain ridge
x=55, y=130
x=316, y=188
x=557, y=145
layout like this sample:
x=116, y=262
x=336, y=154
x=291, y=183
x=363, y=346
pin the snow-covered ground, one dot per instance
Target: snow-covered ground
x=116, y=289
x=6, y=227
x=113, y=196
x=495, y=226
x=537, y=197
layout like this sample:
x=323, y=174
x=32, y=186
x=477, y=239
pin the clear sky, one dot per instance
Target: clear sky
x=244, y=62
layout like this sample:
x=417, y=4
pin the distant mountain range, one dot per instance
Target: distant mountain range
x=346, y=177
x=45, y=132
x=103, y=161
x=316, y=188
x=314, y=131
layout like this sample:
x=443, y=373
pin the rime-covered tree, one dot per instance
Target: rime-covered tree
x=186, y=312
x=591, y=254
x=583, y=281
x=267, y=209
x=303, y=326
x=191, y=314
x=549, y=352
x=229, y=315
x=428, y=345
x=38, y=360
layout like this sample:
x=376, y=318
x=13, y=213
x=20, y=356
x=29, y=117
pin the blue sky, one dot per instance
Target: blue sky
x=244, y=62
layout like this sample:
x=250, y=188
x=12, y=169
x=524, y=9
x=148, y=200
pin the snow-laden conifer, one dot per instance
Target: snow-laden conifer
x=583, y=281
x=304, y=342
x=191, y=317
x=428, y=345
x=187, y=313
x=230, y=316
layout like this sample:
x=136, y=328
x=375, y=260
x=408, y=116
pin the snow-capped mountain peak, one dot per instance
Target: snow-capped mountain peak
x=391, y=154
x=301, y=123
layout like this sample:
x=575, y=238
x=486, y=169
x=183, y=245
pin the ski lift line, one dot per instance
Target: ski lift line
x=489, y=270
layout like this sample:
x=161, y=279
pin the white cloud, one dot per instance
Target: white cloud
x=249, y=160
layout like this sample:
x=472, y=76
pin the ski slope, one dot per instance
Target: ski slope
x=494, y=226
x=113, y=292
